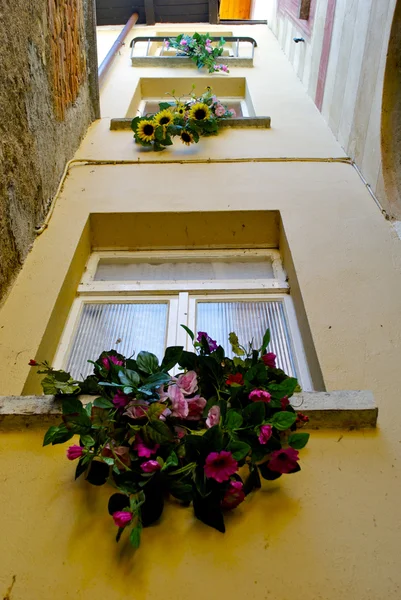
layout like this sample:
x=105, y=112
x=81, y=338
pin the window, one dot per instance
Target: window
x=133, y=301
x=300, y=12
x=151, y=105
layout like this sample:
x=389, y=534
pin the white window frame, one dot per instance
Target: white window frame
x=183, y=296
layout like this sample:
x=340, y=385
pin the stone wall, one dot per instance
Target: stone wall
x=47, y=100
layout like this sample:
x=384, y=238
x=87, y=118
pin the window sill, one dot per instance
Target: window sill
x=326, y=410
x=237, y=123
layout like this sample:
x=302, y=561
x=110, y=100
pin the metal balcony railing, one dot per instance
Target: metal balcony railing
x=157, y=54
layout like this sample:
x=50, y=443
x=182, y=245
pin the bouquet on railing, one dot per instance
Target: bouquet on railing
x=200, y=49
x=150, y=434
x=187, y=119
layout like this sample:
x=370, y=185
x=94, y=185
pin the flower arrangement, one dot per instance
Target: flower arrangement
x=150, y=434
x=199, y=48
x=188, y=120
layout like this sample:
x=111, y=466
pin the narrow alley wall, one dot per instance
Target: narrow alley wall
x=48, y=97
x=342, y=63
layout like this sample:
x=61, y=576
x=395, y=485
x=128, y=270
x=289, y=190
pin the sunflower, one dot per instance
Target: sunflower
x=164, y=117
x=180, y=110
x=187, y=138
x=146, y=130
x=199, y=112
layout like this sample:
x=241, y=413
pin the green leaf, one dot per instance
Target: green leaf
x=147, y=362
x=62, y=435
x=283, y=420
x=265, y=342
x=155, y=381
x=233, y=339
x=155, y=410
x=81, y=468
x=129, y=378
x=159, y=432
x=233, y=420
x=134, y=123
x=298, y=440
x=189, y=332
x=171, y=357
x=171, y=461
x=267, y=473
x=72, y=406
x=165, y=105
x=181, y=491
x=285, y=388
x=53, y=386
x=254, y=413
x=184, y=470
x=103, y=403
x=135, y=536
x=50, y=435
x=108, y=460
x=239, y=450
x=87, y=440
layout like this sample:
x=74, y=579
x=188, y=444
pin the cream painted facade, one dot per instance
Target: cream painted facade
x=334, y=529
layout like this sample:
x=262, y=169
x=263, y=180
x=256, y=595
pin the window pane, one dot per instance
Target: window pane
x=125, y=327
x=248, y=320
x=193, y=270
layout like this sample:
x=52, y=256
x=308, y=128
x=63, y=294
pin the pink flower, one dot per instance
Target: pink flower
x=136, y=410
x=195, y=408
x=284, y=402
x=179, y=406
x=265, y=433
x=220, y=466
x=270, y=360
x=232, y=112
x=209, y=49
x=167, y=45
x=106, y=360
x=166, y=413
x=183, y=43
x=122, y=453
x=121, y=400
x=188, y=383
x=208, y=41
x=234, y=495
x=213, y=416
x=211, y=343
x=259, y=396
x=220, y=110
x=283, y=461
x=74, y=452
x=150, y=466
x=224, y=68
x=145, y=450
x=122, y=518
x=180, y=432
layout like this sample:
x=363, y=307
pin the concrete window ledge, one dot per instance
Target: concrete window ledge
x=237, y=123
x=326, y=410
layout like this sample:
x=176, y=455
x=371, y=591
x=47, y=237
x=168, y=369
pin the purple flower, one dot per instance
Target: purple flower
x=259, y=396
x=234, y=495
x=211, y=343
x=283, y=461
x=167, y=45
x=145, y=450
x=122, y=518
x=74, y=452
x=270, y=360
x=188, y=383
x=150, y=466
x=220, y=466
x=183, y=43
x=121, y=400
x=265, y=433
x=213, y=416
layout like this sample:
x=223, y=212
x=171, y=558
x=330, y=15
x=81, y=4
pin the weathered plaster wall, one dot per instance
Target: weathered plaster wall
x=46, y=106
x=353, y=89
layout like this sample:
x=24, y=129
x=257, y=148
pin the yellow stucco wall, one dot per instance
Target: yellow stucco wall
x=333, y=530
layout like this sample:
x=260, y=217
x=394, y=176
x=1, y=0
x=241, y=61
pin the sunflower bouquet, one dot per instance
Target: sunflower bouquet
x=205, y=435
x=199, y=47
x=188, y=119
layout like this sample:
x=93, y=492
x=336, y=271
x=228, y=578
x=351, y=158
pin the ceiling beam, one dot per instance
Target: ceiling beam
x=213, y=12
x=150, y=12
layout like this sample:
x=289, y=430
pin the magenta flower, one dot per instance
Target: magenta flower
x=167, y=45
x=224, y=68
x=188, y=383
x=265, y=433
x=213, y=416
x=234, y=495
x=74, y=452
x=283, y=461
x=220, y=466
x=211, y=343
x=183, y=43
x=259, y=396
x=150, y=466
x=136, y=410
x=270, y=360
x=284, y=402
x=122, y=518
x=106, y=360
x=195, y=408
x=145, y=450
x=179, y=405
x=220, y=110
x=121, y=400
x=209, y=49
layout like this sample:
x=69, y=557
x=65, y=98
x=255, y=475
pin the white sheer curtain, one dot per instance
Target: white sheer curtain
x=125, y=327
x=249, y=320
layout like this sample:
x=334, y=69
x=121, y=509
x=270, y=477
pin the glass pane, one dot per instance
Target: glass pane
x=117, y=269
x=125, y=327
x=249, y=320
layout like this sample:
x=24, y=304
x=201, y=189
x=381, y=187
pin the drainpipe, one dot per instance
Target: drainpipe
x=108, y=61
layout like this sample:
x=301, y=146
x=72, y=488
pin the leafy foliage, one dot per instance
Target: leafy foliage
x=148, y=432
